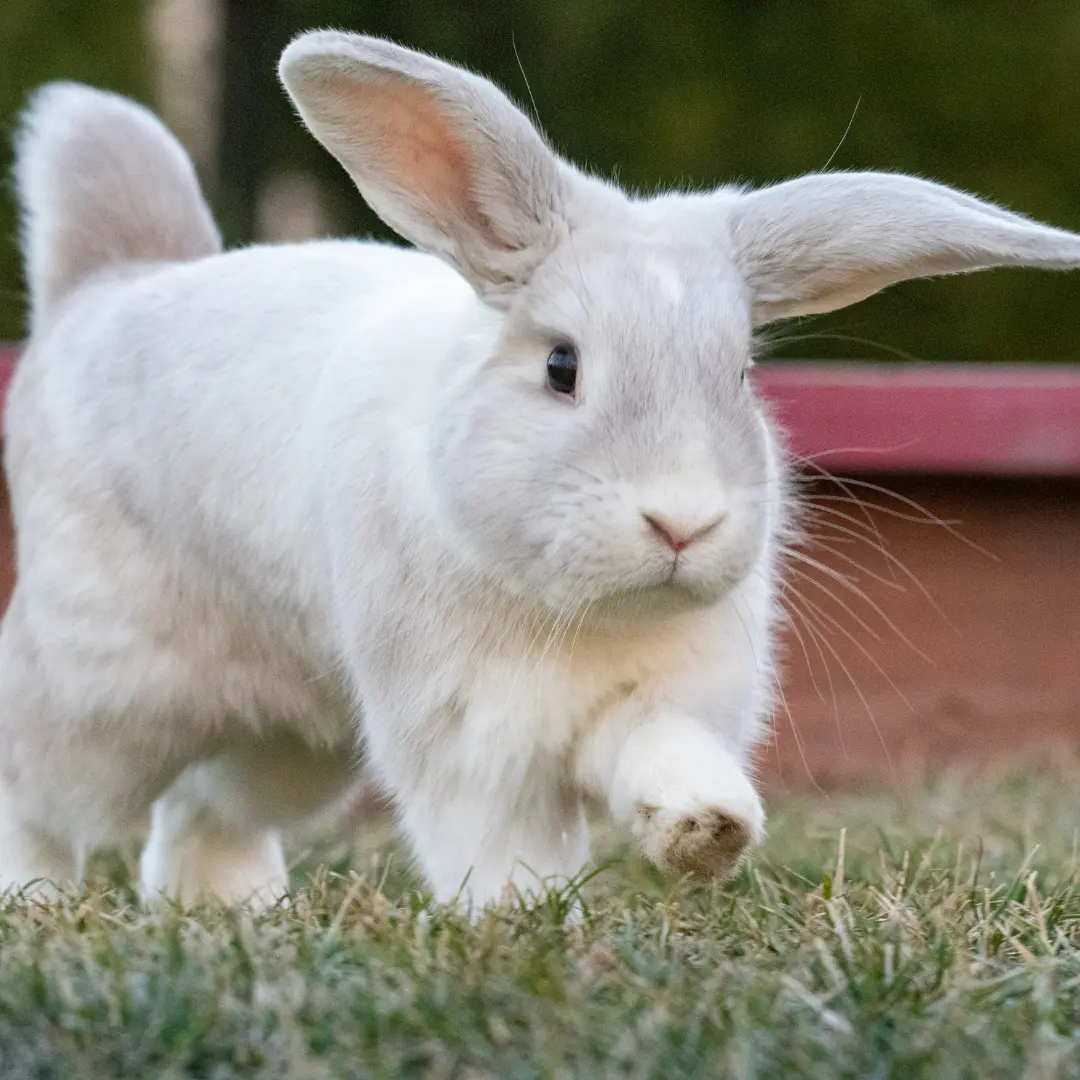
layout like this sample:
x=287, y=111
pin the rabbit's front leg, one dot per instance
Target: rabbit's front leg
x=672, y=780
x=485, y=820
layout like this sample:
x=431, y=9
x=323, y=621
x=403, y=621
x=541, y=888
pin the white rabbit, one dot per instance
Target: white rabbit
x=505, y=514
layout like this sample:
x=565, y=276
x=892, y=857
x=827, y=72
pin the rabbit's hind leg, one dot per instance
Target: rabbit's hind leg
x=216, y=831
x=125, y=680
x=78, y=767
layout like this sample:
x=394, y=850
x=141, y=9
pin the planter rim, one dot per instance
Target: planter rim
x=952, y=418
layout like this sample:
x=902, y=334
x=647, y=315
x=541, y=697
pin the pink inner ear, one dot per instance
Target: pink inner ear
x=405, y=141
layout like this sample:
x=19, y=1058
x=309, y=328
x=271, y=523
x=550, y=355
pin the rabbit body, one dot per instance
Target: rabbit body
x=499, y=520
x=203, y=623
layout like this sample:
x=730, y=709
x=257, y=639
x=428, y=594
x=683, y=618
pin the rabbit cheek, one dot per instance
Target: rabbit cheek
x=485, y=492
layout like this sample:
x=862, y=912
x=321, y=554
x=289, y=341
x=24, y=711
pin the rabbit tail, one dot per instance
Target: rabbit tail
x=101, y=182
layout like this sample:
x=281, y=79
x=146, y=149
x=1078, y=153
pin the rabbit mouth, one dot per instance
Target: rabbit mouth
x=702, y=585
x=673, y=592
x=648, y=603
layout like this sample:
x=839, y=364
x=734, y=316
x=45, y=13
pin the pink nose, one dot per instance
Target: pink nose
x=680, y=535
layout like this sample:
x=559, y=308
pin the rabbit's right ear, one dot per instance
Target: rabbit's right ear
x=827, y=240
x=440, y=154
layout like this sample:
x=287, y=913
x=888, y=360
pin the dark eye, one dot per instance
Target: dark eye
x=562, y=369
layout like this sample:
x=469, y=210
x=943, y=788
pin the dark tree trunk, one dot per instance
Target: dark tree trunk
x=248, y=84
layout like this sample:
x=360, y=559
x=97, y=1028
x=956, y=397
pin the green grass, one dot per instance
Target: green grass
x=939, y=936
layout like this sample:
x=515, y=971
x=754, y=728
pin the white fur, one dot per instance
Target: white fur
x=281, y=503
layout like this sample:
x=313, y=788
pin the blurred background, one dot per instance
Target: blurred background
x=694, y=92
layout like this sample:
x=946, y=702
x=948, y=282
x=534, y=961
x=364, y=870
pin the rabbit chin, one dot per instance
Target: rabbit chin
x=655, y=594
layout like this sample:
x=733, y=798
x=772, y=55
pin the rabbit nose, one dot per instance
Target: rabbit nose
x=680, y=534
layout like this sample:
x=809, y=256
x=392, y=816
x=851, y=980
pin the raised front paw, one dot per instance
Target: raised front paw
x=706, y=843
x=686, y=797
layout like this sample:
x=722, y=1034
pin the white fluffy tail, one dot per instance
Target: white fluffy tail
x=100, y=182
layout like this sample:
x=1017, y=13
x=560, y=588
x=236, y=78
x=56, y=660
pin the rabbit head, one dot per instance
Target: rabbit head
x=596, y=439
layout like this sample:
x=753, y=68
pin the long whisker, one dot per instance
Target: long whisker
x=800, y=747
x=581, y=622
x=815, y=542
x=927, y=514
x=846, y=583
x=818, y=455
x=918, y=519
x=851, y=339
x=833, y=623
x=822, y=587
x=892, y=561
x=794, y=598
x=844, y=486
x=793, y=623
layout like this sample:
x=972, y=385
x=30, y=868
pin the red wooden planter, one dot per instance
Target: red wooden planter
x=942, y=418
x=982, y=656
x=7, y=368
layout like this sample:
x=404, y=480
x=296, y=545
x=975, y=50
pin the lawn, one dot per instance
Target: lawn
x=929, y=932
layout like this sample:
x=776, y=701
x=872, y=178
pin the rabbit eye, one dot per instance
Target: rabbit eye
x=562, y=364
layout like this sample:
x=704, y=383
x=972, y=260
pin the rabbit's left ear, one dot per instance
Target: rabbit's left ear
x=827, y=240
x=440, y=154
